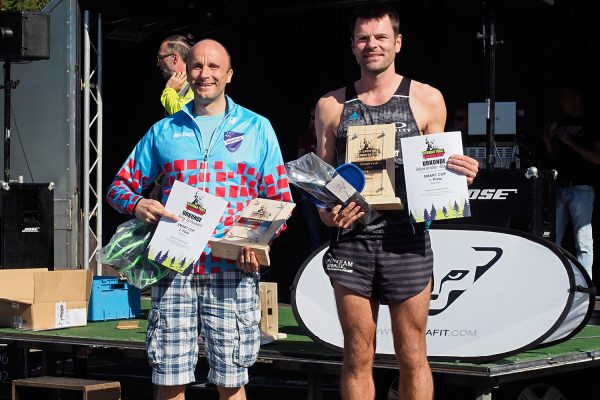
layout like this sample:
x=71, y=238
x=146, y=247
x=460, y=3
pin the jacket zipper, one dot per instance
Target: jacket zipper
x=207, y=149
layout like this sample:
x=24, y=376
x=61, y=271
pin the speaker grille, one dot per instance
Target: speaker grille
x=30, y=38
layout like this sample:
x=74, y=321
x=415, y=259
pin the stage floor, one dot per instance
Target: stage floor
x=299, y=353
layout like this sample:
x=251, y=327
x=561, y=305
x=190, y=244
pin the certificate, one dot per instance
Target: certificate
x=179, y=245
x=433, y=191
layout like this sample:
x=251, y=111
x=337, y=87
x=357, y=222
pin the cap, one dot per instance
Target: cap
x=353, y=175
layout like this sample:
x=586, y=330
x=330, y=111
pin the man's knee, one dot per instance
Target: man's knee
x=412, y=362
x=359, y=352
x=411, y=354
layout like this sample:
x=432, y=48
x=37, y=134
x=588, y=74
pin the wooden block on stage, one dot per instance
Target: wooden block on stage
x=255, y=228
x=45, y=387
x=372, y=148
x=383, y=204
x=269, y=311
x=128, y=324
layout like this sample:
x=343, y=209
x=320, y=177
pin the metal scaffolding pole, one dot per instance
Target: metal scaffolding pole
x=92, y=154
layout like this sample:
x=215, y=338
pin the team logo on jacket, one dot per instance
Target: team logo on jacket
x=233, y=140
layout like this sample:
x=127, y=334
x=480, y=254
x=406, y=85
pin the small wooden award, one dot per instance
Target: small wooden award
x=255, y=228
x=372, y=148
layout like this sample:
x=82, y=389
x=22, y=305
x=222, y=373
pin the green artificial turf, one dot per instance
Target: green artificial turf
x=298, y=343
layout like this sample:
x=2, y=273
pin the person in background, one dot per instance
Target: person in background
x=307, y=143
x=230, y=152
x=390, y=260
x=572, y=142
x=170, y=60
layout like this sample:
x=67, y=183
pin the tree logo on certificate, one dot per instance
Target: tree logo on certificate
x=195, y=206
x=432, y=150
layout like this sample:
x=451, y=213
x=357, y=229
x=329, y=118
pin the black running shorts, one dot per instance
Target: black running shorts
x=391, y=266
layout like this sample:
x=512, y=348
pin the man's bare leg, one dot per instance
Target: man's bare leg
x=169, y=392
x=237, y=393
x=358, y=317
x=409, y=321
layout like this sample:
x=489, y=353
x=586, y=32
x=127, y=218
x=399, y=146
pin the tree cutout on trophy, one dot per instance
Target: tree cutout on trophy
x=372, y=148
x=257, y=226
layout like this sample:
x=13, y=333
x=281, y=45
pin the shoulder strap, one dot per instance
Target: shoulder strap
x=350, y=92
x=404, y=87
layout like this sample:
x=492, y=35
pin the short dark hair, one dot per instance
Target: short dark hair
x=376, y=11
x=180, y=44
x=574, y=88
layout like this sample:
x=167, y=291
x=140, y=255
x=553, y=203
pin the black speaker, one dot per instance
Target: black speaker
x=24, y=35
x=513, y=198
x=27, y=226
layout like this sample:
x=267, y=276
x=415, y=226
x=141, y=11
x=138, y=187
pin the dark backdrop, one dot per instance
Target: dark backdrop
x=286, y=57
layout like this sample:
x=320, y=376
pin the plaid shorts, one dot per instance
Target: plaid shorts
x=223, y=307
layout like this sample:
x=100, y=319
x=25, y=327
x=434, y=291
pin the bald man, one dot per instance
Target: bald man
x=231, y=152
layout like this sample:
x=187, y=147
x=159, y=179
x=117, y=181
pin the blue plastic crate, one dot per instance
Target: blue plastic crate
x=113, y=298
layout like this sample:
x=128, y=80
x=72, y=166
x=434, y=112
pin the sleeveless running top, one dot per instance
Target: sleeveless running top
x=396, y=110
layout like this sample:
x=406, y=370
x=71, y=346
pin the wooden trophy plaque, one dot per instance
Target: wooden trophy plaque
x=255, y=228
x=372, y=148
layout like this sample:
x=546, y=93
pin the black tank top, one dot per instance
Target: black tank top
x=396, y=110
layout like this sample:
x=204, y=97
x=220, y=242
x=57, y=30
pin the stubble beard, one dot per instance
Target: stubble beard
x=166, y=74
x=377, y=68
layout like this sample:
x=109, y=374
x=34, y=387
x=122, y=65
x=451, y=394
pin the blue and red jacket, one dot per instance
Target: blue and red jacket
x=243, y=161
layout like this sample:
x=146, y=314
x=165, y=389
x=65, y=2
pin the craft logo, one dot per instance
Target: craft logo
x=432, y=151
x=261, y=213
x=195, y=206
x=183, y=134
x=459, y=280
x=366, y=150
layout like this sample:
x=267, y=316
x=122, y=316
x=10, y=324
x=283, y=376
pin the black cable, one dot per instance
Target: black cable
x=21, y=143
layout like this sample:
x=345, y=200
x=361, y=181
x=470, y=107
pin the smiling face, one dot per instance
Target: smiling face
x=208, y=71
x=374, y=44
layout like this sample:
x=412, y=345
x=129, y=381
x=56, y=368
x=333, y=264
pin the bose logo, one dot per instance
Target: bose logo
x=490, y=194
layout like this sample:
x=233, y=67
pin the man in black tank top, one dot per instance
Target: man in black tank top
x=388, y=261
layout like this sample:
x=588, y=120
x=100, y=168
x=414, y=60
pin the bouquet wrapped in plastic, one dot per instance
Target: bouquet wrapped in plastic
x=323, y=183
x=127, y=254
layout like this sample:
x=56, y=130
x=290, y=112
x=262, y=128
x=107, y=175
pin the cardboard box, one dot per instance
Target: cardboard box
x=39, y=299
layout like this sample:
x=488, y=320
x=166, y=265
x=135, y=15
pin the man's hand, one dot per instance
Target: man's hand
x=177, y=80
x=150, y=211
x=247, y=260
x=565, y=138
x=464, y=165
x=549, y=133
x=341, y=217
